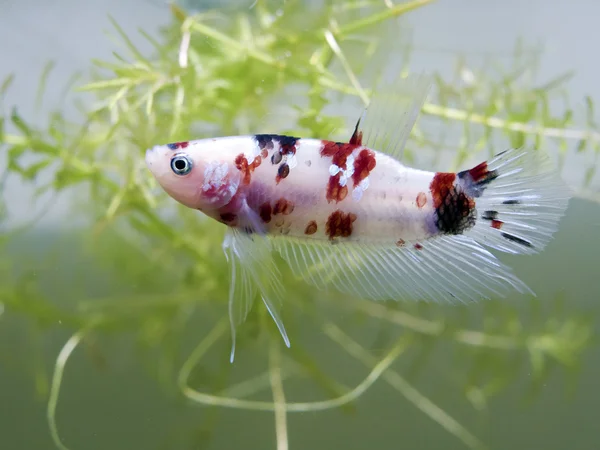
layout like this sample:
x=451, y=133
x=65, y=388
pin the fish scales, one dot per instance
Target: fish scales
x=396, y=204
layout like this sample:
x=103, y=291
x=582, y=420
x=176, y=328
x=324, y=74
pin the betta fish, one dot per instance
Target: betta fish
x=352, y=217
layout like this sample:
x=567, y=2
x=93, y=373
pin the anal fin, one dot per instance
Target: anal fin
x=442, y=269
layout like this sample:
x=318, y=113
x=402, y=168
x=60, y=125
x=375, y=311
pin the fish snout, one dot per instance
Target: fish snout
x=150, y=156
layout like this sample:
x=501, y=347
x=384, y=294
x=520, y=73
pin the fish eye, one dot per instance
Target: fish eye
x=181, y=165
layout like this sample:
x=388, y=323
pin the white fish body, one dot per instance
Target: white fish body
x=352, y=216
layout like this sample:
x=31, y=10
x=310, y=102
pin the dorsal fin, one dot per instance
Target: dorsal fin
x=387, y=121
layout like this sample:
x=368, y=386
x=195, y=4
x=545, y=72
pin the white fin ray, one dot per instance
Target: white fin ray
x=525, y=203
x=252, y=267
x=392, y=112
x=446, y=269
x=242, y=291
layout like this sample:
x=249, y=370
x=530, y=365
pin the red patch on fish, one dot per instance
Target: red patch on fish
x=440, y=187
x=241, y=163
x=421, y=199
x=178, y=145
x=338, y=152
x=418, y=246
x=497, y=224
x=283, y=206
x=265, y=212
x=311, y=228
x=363, y=165
x=479, y=172
x=339, y=224
x=334, y=191
x=264, y=153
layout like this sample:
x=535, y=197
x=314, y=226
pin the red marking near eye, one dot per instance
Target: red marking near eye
x=283, y=206
x=334, y=191
x=497, y=224
x=219, y=193
x=242, y=165
x=421, y=199
x=339, y=224
x=418, y=246
x=265, y=211
x=479, y=172
x=363, y=165
x=311, y=228
x=440, y=186
x=177, y=145
x=401, y=243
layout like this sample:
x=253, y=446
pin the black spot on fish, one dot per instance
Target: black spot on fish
x=287, y=145
x=264, y=141
x=455, y=212
x=283, y=171
x=276, y=158
x=511, y=202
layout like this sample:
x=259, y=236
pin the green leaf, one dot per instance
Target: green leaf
x=43, y=81
x=129, y=44
x=18, y=122
x=6, y=83
x=33, y=170
x=105, y=84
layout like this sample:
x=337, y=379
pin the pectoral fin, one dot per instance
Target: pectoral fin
x=252, y=268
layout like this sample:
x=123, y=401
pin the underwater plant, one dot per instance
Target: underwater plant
x=270, y=67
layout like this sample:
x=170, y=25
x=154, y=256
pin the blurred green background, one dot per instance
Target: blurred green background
x=113, y=315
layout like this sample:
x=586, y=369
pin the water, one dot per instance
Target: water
x=120, y=386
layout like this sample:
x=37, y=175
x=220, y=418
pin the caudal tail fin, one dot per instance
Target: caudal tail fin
x=520, y=199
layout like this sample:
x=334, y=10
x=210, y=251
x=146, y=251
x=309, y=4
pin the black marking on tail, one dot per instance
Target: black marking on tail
x=454, y=208
x=517, y=240
x=490, y=215
x=456, y=214
x=475, y=180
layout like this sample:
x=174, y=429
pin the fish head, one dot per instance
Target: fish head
x=194, y=173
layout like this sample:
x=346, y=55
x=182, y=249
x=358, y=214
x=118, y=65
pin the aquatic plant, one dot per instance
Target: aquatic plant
x=271, y=67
